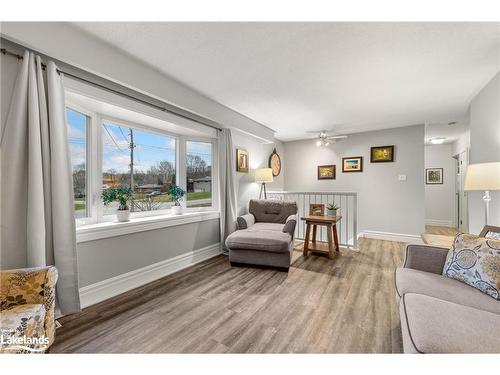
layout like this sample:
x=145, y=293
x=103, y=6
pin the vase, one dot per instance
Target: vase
x=123, y=215
x=331, y=212
x=177, y=210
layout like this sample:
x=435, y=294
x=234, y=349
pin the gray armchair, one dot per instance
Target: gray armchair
x=265, y=235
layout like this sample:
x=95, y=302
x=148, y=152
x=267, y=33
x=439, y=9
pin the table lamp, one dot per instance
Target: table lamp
x=263, y=176
x=483, y=177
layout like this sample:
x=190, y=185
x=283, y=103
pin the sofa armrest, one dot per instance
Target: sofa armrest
x=290, y=223
x=245, y=221
x=425, y=258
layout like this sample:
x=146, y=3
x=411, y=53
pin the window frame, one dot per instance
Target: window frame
x=214, y=171
x=94, y=166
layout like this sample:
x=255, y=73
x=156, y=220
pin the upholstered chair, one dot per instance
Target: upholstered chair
x=27, y=308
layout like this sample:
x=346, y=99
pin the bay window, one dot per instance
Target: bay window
x=107, y=151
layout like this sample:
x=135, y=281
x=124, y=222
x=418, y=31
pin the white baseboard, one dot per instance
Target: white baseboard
x=102, y=290
x=441, y=223
x=397, y=237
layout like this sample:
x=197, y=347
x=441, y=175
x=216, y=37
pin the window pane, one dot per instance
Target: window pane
x=141, y=160
x=199, y=174
x=77, y=137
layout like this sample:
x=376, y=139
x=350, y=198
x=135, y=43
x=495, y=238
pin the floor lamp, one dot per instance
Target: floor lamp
x=483, y=177
x=263, y=176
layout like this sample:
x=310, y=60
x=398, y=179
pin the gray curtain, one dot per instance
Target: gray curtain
x=227, y=182
x=38, y=227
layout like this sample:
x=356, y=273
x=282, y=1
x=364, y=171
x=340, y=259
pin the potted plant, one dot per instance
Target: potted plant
x=122, y=195
x=176, y=193
x=331, y=209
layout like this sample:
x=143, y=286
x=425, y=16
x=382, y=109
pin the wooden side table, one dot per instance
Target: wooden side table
x=332, y=245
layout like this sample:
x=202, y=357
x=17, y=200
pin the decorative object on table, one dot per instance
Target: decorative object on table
x=433, y=176
x=324, y=139
x=352, y=164
x=263, y=176
x=475, y=261
x=316, y=209
x=326, y=172
x=122, y=195
x=331, y=209
x=176, y=193
x=241, y=160
x=483, y=177
x=382, y=154
x=490, y=232
x=275, y=163
x=27, y=298
x=331, y=247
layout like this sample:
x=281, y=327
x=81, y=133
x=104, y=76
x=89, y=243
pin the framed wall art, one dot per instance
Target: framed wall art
x=382, y=154
x=326, y=172
x=352, y=164
x=241, y=160
x=433, y=176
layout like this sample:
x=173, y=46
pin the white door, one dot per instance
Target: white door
x=461, y=195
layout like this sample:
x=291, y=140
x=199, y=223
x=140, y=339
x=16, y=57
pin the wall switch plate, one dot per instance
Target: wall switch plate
x=402, y=177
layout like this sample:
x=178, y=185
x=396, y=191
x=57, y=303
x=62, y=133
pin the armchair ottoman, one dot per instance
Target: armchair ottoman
x=265, y=235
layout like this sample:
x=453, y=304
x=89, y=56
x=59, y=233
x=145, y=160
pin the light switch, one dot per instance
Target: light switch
x=402, y=177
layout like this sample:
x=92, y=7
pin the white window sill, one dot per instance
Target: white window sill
x=102, y=230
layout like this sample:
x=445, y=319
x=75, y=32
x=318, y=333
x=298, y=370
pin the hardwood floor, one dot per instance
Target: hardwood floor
x=344, y=305
x=444, y=231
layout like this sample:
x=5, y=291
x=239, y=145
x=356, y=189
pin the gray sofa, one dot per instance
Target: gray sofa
x=265, y=235
x=439, y=314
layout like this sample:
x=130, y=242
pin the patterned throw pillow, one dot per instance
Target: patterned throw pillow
x=475, y=261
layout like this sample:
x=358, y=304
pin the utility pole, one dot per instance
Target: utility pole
x=131, y=146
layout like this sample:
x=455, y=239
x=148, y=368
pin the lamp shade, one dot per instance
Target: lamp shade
x=264, y=175
x=483, y=176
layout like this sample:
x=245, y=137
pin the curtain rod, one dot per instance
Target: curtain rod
x=118, y=92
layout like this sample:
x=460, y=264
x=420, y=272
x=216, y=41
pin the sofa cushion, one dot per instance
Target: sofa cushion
x=272, y=210
x=475, y=261
x=22, y=320
x=409, y=280
x=432, y=325
x=260, y=236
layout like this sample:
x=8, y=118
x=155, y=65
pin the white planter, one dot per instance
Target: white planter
x=177, y=210
x=123, y=215
x=331, y=212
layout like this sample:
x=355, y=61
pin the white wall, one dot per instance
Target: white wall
x=384, y=203
x=259, y=153
x=440, y=198
x=485, y=147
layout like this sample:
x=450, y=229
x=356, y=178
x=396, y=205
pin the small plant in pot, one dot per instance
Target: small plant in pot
x=331, y=209
x=176, y=193
x=122, y=195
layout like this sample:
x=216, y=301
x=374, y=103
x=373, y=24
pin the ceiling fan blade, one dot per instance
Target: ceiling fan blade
x=315, y=131
x=337, y=137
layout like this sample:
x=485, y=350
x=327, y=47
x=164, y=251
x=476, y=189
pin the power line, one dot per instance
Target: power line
x=112, y=138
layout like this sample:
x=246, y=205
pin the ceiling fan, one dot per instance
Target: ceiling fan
x=324, y=139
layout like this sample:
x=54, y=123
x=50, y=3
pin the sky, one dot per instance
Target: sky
x=150, y=148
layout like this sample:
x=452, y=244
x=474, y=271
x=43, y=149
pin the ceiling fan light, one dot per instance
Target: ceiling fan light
x=318, y=143
x=437, y=141
x=327, y=143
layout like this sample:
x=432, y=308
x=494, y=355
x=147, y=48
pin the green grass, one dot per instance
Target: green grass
x=198, y=195
x=79, y=204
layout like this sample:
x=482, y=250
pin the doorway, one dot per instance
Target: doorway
x=461, y=202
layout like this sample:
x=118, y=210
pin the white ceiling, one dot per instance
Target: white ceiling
x=349, y=77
